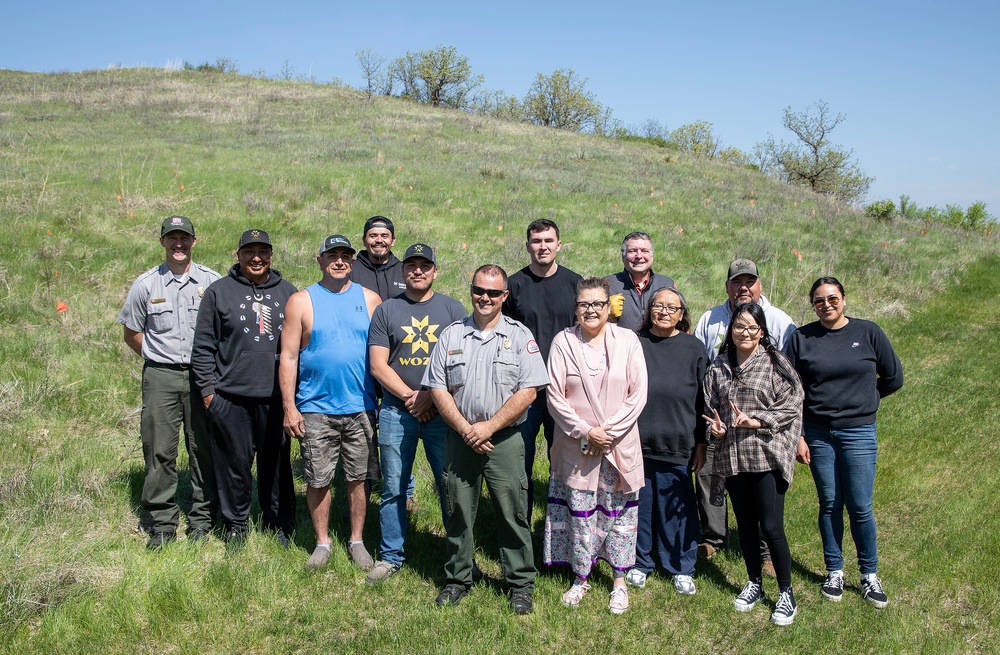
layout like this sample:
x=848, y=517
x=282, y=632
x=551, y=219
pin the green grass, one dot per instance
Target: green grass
x=91, y=162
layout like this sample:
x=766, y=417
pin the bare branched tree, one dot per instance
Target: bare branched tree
x=371, y=64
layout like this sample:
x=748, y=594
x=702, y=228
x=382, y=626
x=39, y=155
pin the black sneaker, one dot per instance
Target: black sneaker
x=833, y=586
x=520, y=602
x=159, y=540
x=784, y=609
x=752, y=592
x=871, y=590
x=198, y=535
x=236, y=538
x=451, y=595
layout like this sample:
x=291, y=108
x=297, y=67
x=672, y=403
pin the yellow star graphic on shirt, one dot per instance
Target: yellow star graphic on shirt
x=419, y=334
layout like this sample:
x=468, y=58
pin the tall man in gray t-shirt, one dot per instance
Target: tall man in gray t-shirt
x=403, y=334
x=158, y=320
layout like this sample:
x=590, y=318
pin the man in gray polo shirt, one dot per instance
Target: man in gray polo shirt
x=483, y=374
x=159, y=317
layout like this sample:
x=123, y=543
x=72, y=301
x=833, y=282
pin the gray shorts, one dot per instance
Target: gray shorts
x=327, y=437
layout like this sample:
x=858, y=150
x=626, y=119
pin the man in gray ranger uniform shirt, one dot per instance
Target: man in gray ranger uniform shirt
x=159, y=318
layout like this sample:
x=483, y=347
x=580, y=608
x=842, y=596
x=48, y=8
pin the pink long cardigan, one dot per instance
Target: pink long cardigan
x=577, y=406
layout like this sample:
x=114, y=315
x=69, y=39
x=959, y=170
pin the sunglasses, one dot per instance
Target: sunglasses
x=832, y=300
x=492, y=293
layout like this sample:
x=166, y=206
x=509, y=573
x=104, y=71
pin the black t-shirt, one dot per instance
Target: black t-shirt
x=671, y=422
x=410, y=330
x=545, y=305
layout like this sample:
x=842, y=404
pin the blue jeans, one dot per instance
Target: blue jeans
x=668, y=519
x=399, y=432
x=537, y=417
x=843, y=468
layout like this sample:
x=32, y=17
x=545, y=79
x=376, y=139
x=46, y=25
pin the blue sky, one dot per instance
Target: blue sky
x=918, y=81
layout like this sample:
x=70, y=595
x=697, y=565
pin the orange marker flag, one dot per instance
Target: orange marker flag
x=61, y=307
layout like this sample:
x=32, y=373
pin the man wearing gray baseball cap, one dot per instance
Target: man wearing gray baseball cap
x=742, y=286
x=328, y=394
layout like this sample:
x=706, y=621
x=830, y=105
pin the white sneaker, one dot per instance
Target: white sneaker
x=684, y=584
x=575, y=594
x=618, y=604
x=635, y=578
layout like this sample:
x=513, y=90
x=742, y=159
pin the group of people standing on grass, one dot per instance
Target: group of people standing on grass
x=369, y=360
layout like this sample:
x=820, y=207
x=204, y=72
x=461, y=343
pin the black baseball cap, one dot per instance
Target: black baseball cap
x=254, y=236
x=336, y=241
x=420, y=250
x=176, y=224
x=379, y=221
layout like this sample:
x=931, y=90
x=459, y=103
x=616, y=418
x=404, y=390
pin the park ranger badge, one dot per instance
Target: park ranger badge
x=506, y=344
x=201, y=292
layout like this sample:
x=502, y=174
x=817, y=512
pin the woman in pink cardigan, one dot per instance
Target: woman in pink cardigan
x=597, y=391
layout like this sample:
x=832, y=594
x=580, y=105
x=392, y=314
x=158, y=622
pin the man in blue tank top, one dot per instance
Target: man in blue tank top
x=331, y=409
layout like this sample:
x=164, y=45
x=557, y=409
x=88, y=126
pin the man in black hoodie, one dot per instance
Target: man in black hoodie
x=376, y=268
x=235, y=365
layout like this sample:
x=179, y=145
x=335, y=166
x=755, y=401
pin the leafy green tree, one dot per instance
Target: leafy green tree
x=696, y=139
x=498, y=105
x=813, y=161
x=735, y=157
x=439, y=77
x=907, y=208
x=976, y=215
x=561, y=100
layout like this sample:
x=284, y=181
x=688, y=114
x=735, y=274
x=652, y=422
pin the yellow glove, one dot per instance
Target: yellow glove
x=617, y=305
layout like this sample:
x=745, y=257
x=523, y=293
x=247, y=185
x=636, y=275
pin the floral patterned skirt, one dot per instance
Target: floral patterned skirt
x=582, y=527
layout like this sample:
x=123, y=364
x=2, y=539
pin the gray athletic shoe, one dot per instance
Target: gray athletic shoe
x=319, y=558
x=381, y=571
x=361, y=556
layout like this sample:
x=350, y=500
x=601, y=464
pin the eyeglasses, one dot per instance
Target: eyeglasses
x=832, y=300
x=492, y=293
x=599, y=305
x=750, y=330
x=665, y=309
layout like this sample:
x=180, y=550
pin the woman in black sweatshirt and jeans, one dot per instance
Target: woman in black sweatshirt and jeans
x=672, y=434
x=847, y=366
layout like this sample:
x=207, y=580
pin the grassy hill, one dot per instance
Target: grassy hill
x=91, y=162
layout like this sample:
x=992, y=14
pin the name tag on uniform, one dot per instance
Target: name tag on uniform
x=455, y=352
x=157, y=300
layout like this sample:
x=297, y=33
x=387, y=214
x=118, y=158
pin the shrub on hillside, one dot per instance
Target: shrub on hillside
x=881, y=210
